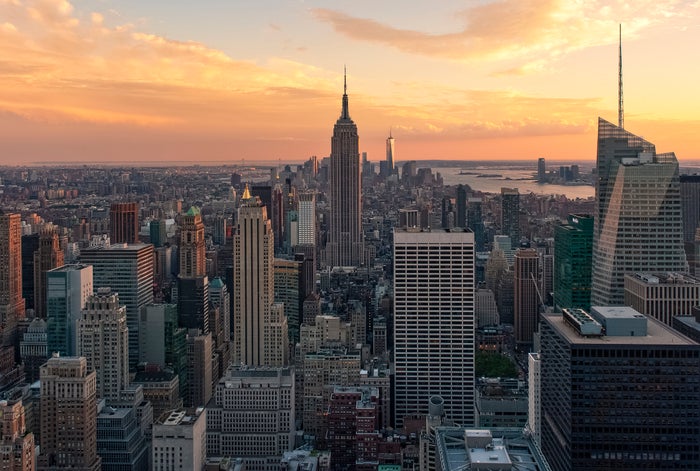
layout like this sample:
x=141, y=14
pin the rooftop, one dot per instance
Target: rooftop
x=658, y=278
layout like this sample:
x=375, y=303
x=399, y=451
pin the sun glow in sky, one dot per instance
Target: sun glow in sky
x=218, y=80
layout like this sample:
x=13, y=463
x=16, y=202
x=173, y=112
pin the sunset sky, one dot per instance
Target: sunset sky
x=224, y=80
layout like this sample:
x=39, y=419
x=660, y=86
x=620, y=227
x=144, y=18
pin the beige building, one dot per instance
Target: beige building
x=68, y=396
x=11, y=300
x=662, y=296
x=103, y=339
x=179, y=441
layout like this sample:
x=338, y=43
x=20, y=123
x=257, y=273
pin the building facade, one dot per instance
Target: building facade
x=510, y=214
x=434, y=323
x=124, y=223
x=179, y=440
x=662, y=296
x=526, y=298
x=48, y=256
x=573, y=245
x=11, y=300
x=67, y=290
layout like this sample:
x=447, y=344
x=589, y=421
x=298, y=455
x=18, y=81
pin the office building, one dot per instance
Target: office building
x=475, y=222
x=192, y=250
x=615, y=392
x=128, y=270
x=434, y=322
x=161, y=389
x=199, y=369
x=288, y=292
x=220, y=299
x=638, y=225
x=662, y=296
x=690, y=205
x=104, y=342
x=157, y=231
x=33, y=349
x=11, y=300
x=48, y=256
x=345, y=245
x=390, y=153
x=180, y=440
x=67, y=290
x=193, y=284
x=252, y=413
x=461, y=207
x=307, y=218
x=510, y=214
x=485, y=308
x=121, y=443
x=525, y=295
x=30, y=244
x=68, y=396
x=534, y=405
x=17, y=452
x=573, y=243
x=260, y=327
x=541, y=170
x=501, y=402
x=124, y=223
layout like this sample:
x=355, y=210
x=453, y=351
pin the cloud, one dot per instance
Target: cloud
x=520, y=29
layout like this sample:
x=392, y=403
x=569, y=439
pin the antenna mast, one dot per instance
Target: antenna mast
x=620, y=106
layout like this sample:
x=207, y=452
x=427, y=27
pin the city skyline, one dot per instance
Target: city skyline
x=230, y=82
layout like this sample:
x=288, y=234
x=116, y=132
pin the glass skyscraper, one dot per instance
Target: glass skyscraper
x=572, y=262
x=638, y=225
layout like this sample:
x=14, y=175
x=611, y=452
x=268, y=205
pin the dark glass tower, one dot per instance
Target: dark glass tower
x=344, y=246
x=572, y=262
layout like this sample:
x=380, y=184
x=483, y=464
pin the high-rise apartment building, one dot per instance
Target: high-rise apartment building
x=11, y=300
x=252, y=413
x=345, y=245
x=128, y=270
x=260, y=327
x=638, y=225
x=67, y=290
x=124, y=223
x=48, y=256
x=525, y=296
x=616, y=392
x=17, y=443
x=434, y=322
x=541, y=170
x=510, y=214
x=68, y=415
x=573, y=244
x=104, y=342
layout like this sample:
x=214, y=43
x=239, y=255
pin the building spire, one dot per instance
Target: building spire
x=620, y=107
x=345, y=114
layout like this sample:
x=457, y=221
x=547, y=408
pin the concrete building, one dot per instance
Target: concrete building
x=662, y=296
x=193, y=284
x=534, y=414
x=252, y=413
x=501, y=402
x=345, y=244
x=199, y=370
x=68, y=396
x=434, y=323
x=179, y=441
x=48, y=256
x=33, y=349
x=121, y=443
x=260, y=327
x=11, y=300
x=161, y=389
x=124, y=223
x=525, y=295
x=103, y=340
x=128, y=270
x=638, y=225
x=307, y=219
x=68, y=288
x=615, y=392
x=17, y=452
x=486, y=309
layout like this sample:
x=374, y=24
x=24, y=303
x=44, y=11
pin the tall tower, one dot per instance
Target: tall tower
x=68, y=415
x=526, y=303
x=510, y=214
x=124, y=223
x=193, y=283
x=344, y=246
x=638, y=225
x=307, y=218
x=11, y=300
x=434, y=280
x=461, y=207
x=260, y=328
x=128, y=270
x=103, y=340
x=47, y=257
x=572, y=262
x=68, y=288
x=390, y=154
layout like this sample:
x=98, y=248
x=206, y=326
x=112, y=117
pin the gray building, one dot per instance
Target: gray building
x=67, y=290
x=120, y=440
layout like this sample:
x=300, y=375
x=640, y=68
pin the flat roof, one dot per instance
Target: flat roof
x=658, y=333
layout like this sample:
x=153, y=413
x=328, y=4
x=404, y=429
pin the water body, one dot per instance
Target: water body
x=490, y=179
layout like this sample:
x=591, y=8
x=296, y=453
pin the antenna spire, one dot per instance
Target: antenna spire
x=620, y=106
x=345, y=114
x=345, y=78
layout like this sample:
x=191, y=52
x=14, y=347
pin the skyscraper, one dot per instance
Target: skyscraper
x=68, y=288
x=124, y=223
x=690, y=204
x=104, y=342
x=526, y=299
x=128, y=270
x=638, y=225
x=307, y=218
x=260, y=328
x=11, y=300
x=68, y=415
x=193, y=283
x=434, y=321
x=510, y=214
x=47, y=257
x=461, y=207
x=390, y=154
x=573, y=243
x=345, y=246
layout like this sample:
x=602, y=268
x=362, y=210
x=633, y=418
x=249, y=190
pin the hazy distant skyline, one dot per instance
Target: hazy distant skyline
x=220, y=80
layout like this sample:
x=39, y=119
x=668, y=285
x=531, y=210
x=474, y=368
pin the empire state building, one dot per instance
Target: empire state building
x=345, y=246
